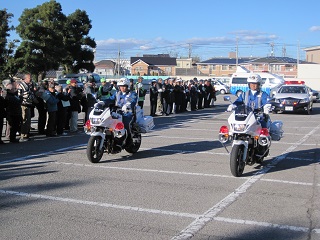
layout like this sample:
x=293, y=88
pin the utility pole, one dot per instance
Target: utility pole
x=119, y=60
x=190, y=50
x=284, y=51
x=272, y=49
x=237, y=52
x=298, y=56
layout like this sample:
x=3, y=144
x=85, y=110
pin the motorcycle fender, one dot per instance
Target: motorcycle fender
x=100, y=134
x=245, y=144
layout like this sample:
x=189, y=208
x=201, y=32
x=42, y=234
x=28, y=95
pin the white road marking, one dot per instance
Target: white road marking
x=100, y=204
x=209, y=215
x=156, y=211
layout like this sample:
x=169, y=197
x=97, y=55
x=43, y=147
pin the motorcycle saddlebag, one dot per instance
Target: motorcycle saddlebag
x=146, y=124
x=276, y=131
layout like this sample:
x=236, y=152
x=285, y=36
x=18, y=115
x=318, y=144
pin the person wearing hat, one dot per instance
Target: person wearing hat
x=141, y=92
x=153, y=97
x=104, y=92
x=51, y=100
x=75, y=95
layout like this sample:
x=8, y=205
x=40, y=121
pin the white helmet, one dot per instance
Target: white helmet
x=123, y=82
x=254, y=78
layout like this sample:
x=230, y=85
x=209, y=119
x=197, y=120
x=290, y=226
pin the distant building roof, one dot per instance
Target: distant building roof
x=225, y=61
x=275, y=60
x=105, y=63
x=155, y=60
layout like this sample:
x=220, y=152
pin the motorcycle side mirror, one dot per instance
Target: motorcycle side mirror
x=226, y=98
x=238, y=93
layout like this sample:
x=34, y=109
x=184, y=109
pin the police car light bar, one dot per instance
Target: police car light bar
x=294, y=82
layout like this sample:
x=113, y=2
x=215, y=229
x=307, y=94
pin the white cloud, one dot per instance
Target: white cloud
x=314, y=28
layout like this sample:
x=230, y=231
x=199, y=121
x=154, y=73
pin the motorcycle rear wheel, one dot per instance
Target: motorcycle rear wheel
x=94, y=154
x=133, y=147
x=236, y=163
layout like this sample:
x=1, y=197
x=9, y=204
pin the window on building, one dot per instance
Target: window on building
x=225, y=67
x=213, y=67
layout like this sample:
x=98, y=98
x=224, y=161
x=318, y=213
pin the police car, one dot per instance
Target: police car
x=293, y=96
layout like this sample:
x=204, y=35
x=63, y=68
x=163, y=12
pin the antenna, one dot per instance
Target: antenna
x=272, y=49
x=284, y=51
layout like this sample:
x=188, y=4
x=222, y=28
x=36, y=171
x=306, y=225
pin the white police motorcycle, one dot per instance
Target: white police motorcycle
x=108, y=134
x=250, y=141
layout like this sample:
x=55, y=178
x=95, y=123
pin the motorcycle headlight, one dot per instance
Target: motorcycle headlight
x=239, y=127
x=305, y=100
x=95, y=120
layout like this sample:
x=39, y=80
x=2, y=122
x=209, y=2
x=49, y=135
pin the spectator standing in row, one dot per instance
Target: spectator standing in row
x=209, y=93
x=75, y=95
x=62, y=112
x=42, y=109
x=201, y=94
x=51, y=101
x=160, y=96
x=153, y=97
x=168, y=97
x=141, y=92
x=26, y=93
x=2, y=113
x=13, y=104
x=89, y=97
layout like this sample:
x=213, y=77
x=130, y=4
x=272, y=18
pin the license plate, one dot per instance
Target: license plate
x=288, y=108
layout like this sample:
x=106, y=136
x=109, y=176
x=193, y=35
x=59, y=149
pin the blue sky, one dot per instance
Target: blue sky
x=207, y=28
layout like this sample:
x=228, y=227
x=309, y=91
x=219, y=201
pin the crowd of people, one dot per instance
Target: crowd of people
x=58, y=108
x=174, y=95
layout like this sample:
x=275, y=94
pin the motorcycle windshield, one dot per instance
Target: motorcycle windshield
x=241, y=112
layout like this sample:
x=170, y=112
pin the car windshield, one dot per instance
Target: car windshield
x=62, y=81
x=292, y=89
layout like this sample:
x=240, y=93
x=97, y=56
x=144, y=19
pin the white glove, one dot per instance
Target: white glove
x=99, y=104
x=231, y=107
x=126, y=107
x=160, y=90
x=139, y=85
x=267, y=108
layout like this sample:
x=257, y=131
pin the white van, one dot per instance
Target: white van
x=269, y=81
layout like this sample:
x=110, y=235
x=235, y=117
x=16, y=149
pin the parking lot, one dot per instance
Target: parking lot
x=177, y=186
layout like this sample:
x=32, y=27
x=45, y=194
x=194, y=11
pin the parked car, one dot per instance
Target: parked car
x=220, y=86
x=293, y=97
x=315, y=95
x=84, y=77
x=63, y=82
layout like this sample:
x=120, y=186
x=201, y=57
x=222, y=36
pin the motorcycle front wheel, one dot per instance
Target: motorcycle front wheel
x=94, y=153
x=236, y=163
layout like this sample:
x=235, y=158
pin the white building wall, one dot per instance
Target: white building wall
x=310, y=73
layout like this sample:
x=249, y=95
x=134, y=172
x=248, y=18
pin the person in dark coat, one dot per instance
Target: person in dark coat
x=13, y=104
x=75, y=94
x=201, y=94
x=62, y=112
x=2, y=114
x=51, y=100
x=168, y=97
x=210, y=93
x=89, y=96
x=42, y=108
x=153, y=97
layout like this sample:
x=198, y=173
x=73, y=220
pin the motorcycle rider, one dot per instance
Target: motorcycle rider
x=127, y=100
x=254, y=98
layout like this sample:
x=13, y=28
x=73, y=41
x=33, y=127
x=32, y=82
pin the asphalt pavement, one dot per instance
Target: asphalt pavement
x=177, y=186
